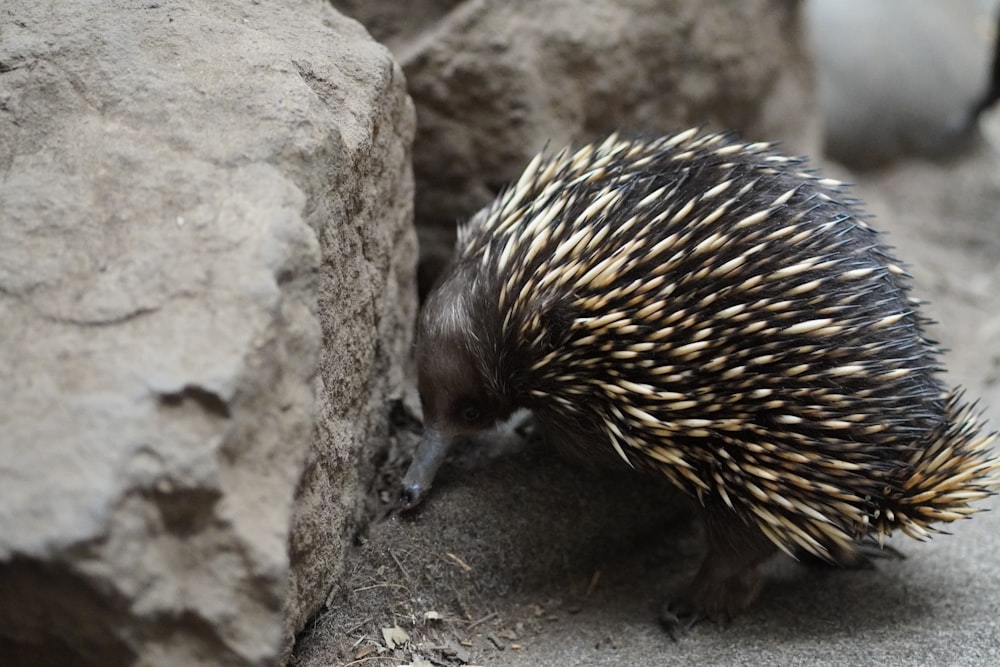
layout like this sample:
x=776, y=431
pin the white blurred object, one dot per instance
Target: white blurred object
x=900, y=77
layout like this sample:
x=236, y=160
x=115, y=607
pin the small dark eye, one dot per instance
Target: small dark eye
x=471, y=413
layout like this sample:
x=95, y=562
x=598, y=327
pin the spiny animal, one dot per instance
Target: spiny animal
x=715, y=313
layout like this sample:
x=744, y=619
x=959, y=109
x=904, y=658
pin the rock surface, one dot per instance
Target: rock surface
x=495, y=82
x=205, y=252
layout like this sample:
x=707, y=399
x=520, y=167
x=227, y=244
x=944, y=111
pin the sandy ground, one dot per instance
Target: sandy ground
x=529, y=561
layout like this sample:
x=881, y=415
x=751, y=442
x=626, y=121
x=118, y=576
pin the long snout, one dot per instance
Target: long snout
x=431, y=453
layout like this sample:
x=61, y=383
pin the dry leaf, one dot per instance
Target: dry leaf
x=364, y=651
x=394, y=636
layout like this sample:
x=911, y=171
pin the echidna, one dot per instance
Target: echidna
x=715, y=313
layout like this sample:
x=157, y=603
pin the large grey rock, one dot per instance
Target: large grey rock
x=205, y=251
x=495, y=82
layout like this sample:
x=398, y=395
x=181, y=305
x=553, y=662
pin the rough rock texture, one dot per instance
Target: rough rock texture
x=900, y=77
x=195, y=197
x=494, y=82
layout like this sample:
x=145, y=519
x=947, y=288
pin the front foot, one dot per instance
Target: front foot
x=710, y=598
x=678, y=616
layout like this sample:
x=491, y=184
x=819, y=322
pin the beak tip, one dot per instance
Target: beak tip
x=430, y=454
x=410, y=496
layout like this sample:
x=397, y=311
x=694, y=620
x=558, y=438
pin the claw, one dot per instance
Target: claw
x=678, y=617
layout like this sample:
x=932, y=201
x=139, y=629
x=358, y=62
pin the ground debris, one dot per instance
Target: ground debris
x=395, y=637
